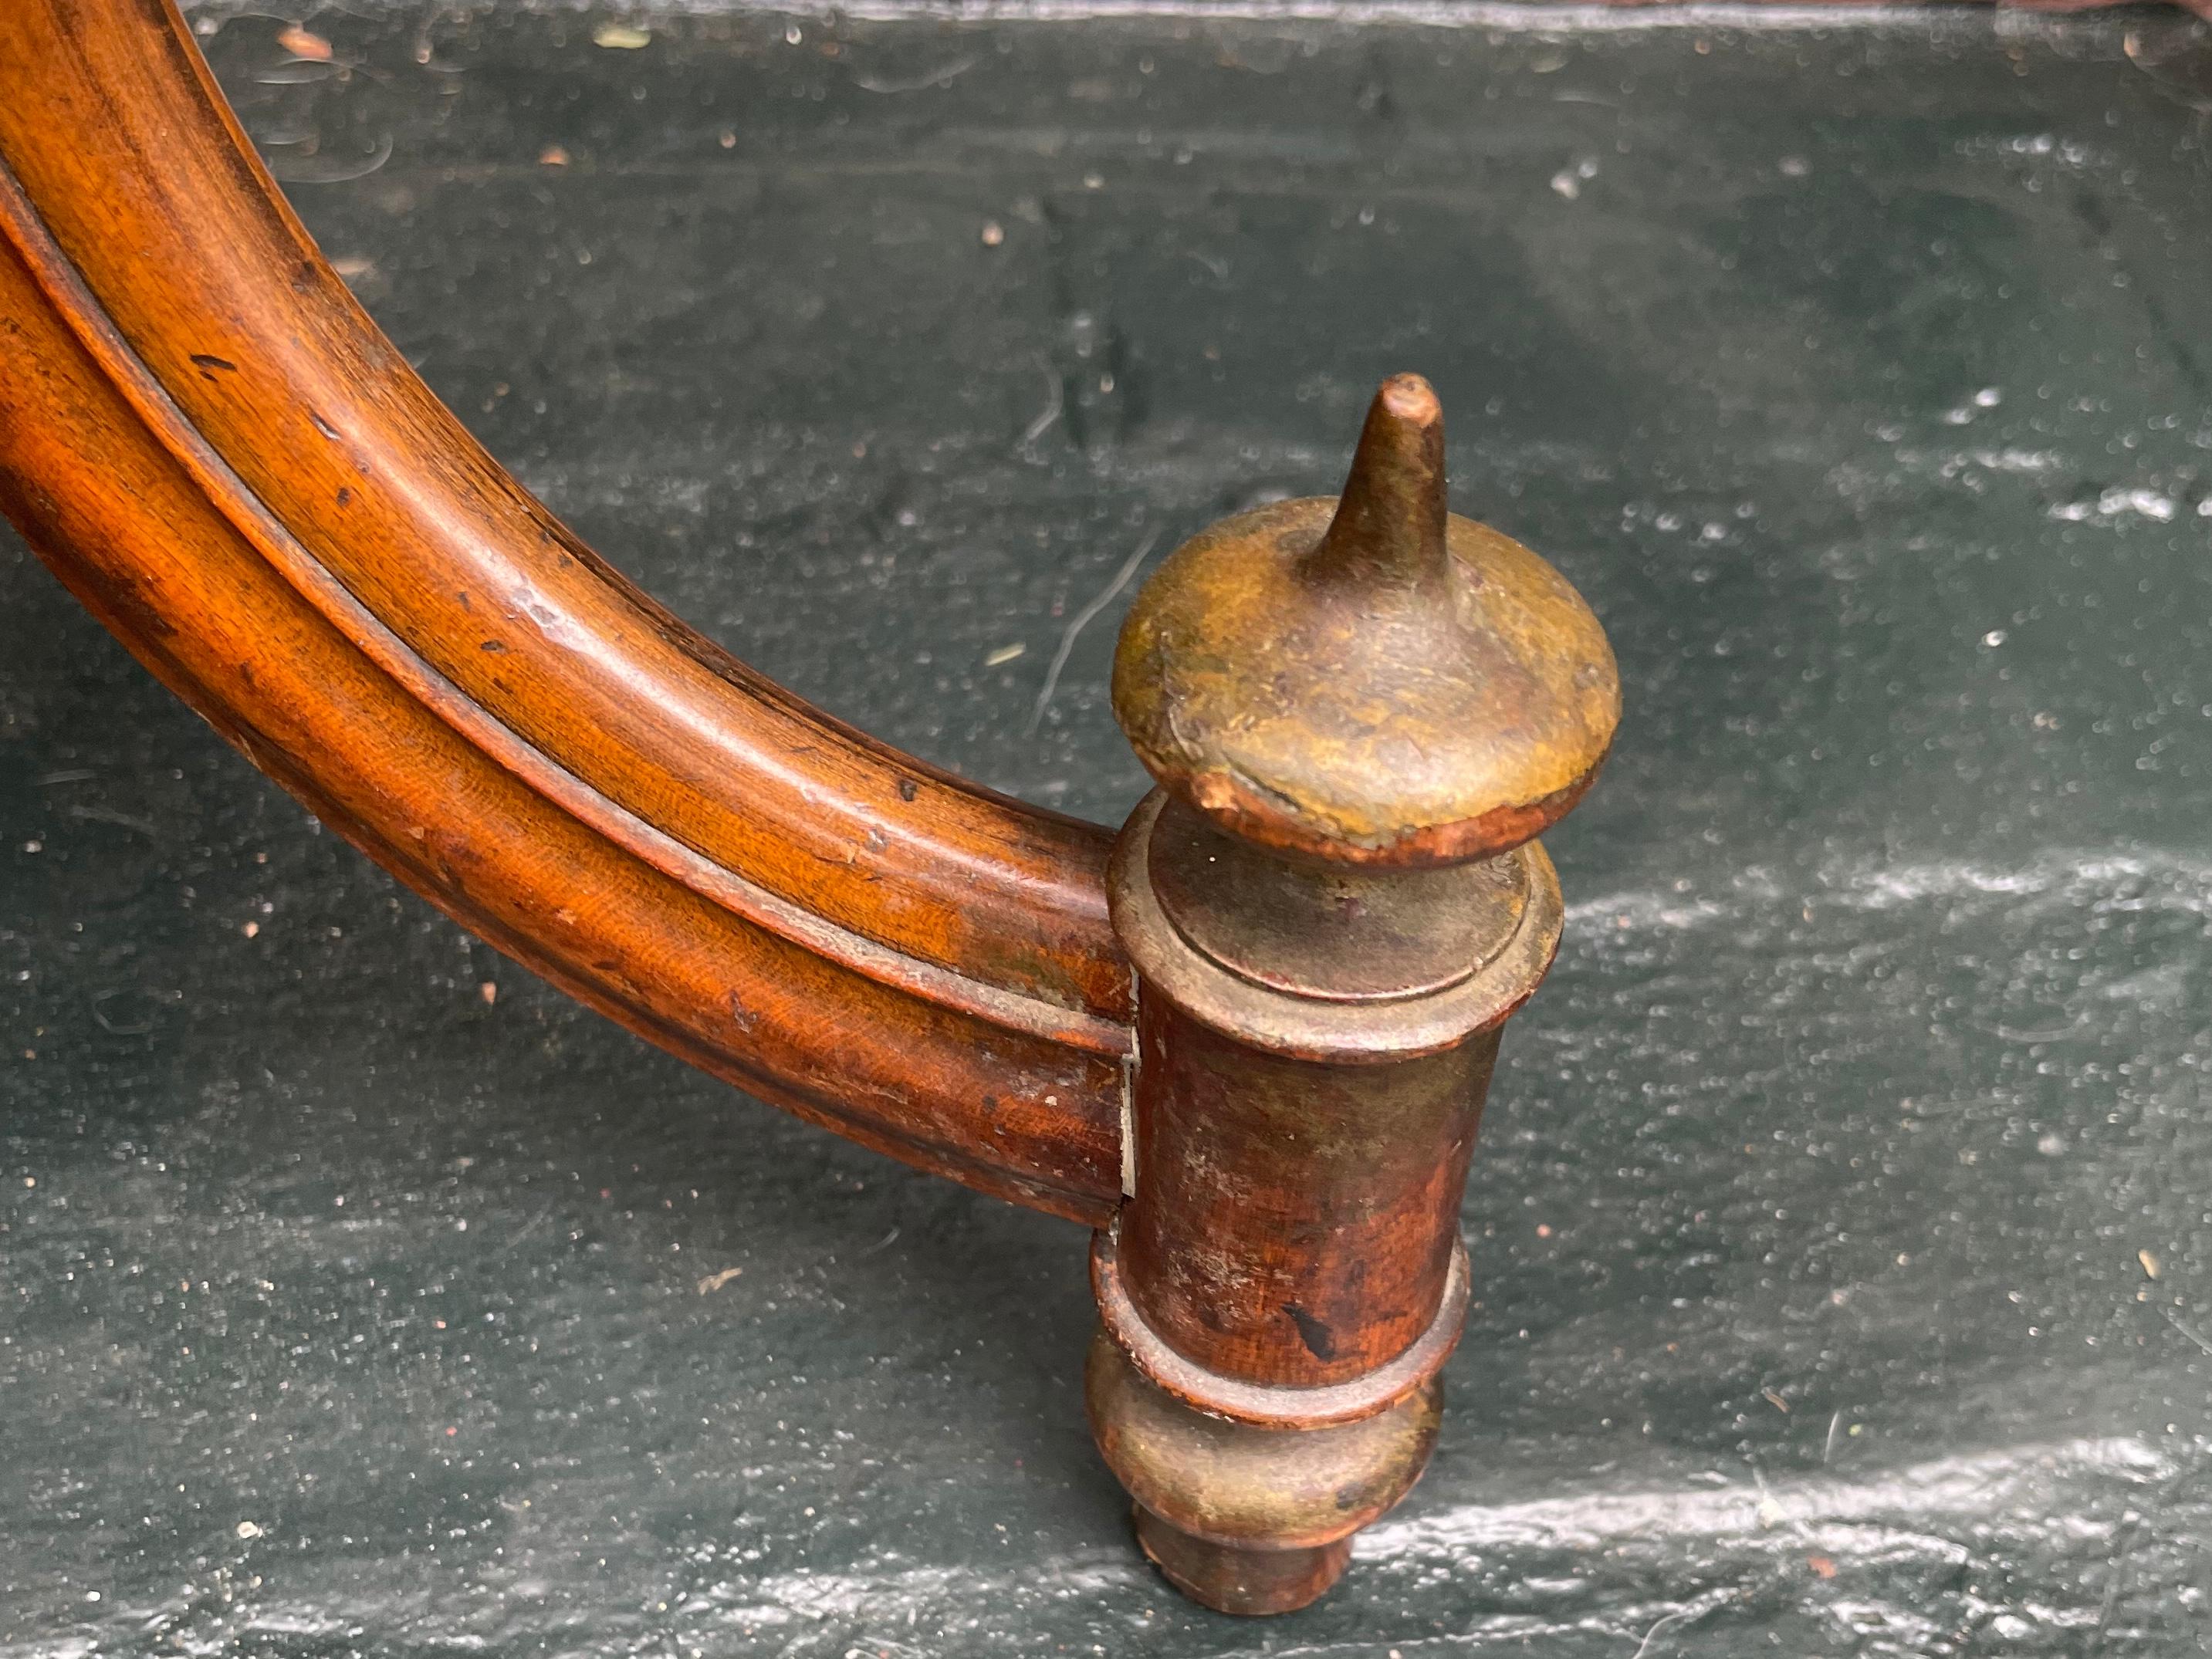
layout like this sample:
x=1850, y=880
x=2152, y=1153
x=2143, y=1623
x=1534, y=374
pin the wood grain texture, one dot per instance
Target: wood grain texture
x=222, y=456
x=1294, y=1224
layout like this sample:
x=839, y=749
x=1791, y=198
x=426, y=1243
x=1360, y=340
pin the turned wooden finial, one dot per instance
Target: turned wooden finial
x=1369, y=680
x=1360, y=711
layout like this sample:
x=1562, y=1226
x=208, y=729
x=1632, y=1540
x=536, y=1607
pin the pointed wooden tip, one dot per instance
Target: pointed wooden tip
x=1389, y=522
x=1410, y=399
x=1366, y=680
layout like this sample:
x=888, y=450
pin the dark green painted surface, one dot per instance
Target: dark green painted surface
x=1858, y=377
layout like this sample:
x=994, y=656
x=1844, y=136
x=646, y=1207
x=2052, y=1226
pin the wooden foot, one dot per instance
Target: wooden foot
x=1247, y=1518
x=1235, y=1578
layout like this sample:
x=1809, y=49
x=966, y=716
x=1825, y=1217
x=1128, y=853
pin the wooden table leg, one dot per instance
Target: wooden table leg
x=1360, y=714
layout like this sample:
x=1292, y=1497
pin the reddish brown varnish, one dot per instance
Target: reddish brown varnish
x=215, y=449
x=207, y=438
x=1294, y=1223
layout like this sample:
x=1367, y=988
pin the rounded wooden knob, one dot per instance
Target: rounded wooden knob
x=1370, y=680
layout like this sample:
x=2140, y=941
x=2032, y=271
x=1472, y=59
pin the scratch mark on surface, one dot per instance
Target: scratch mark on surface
x=944, y=76
x=1083, y=619
x=1055, y=406
x=2197, y=1337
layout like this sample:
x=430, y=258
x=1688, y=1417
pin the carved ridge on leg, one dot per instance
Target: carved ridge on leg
x=1272, y=1404
x=1247, y=1518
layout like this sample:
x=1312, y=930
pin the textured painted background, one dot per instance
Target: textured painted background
x=1843, y=1226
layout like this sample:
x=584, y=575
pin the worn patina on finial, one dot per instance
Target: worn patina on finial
x=1370, y=680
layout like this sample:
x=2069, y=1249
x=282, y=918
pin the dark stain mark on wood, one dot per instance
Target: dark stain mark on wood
x=1316, y=1336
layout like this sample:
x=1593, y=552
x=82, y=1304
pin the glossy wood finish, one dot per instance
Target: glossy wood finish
x=224, y=457
x=215, y=448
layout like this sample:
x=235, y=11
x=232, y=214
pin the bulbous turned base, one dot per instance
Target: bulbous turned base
x=1235, y=1578
x=1245, y=1518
